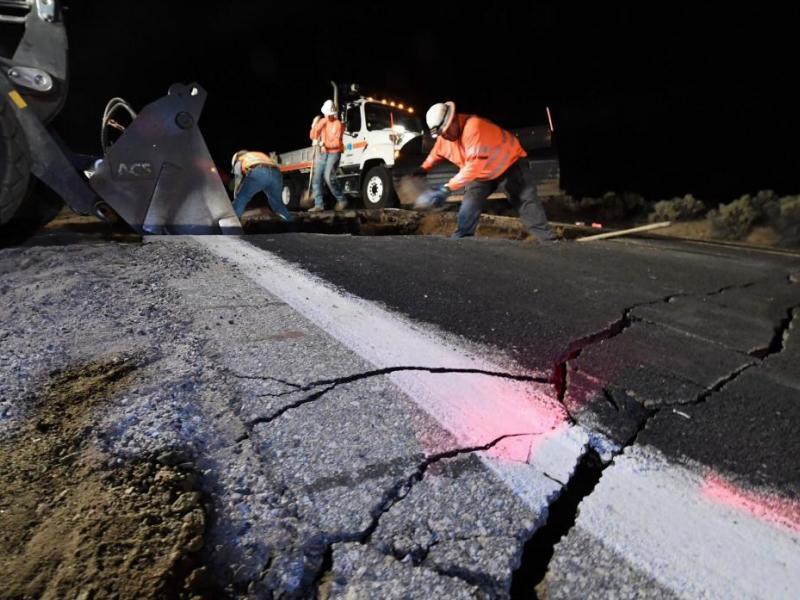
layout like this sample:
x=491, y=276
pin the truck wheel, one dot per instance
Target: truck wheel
x=291, y=194
x=377, y=190
x=15, y=164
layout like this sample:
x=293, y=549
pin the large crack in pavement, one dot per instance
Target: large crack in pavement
x=560, y=377
x=321, y=552
x=778, y=342
x=776, y=347
x=331, y=384
x=394, y=495
x=563, y=508
x=402, y=487
x=561, y=516
x=563, y=511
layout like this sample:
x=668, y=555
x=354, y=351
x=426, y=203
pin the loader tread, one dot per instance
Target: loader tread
x=15, y=164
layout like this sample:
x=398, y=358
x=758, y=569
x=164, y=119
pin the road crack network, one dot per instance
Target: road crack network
x=562, y=513
x=398, y=492
x=563, y=509
x=328, y=385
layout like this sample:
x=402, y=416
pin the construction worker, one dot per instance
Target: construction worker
x=256, y=172
x=487, y=155
x=327, y=133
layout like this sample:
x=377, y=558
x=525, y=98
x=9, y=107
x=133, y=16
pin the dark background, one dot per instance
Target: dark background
x=658, y=98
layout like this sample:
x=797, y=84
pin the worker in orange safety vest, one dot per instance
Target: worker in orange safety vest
x=327, y=133
x=487, y=156
x=256, y=172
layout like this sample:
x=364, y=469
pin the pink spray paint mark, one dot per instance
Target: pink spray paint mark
x=767, y=507
x=478, y=410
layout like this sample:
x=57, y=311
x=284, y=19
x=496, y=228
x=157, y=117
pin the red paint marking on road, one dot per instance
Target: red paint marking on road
x=475, y=409
x=479, y=409
x=767, y=507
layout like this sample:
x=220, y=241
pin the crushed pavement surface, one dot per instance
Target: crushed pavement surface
x=170, y=426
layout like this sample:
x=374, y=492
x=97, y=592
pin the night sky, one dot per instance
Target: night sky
x=658, y=98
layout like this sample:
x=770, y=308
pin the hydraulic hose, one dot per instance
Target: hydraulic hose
x=114, y=105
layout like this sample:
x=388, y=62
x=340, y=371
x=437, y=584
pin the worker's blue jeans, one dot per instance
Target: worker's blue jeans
x=267, y=180
x=521, y=190
x=325, y=166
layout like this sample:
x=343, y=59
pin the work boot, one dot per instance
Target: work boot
x=341, y=205
x=316, y=208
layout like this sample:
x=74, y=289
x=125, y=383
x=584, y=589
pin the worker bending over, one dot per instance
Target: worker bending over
x=327, y=134
x=487, y=155
x=256, y=172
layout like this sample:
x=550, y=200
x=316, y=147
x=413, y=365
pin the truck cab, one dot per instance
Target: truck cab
x=375, y=131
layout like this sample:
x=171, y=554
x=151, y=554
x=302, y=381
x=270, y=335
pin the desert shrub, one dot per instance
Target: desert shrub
x=784, y=217
x=733, y=221
x=677, y=209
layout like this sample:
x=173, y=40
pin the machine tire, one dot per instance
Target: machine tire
x=15, y=164
x=377, y=189
x=290, y=195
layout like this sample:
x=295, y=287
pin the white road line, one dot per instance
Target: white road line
x=669, y=521
x=676, y=525
x=666, y=520
x=475, y=408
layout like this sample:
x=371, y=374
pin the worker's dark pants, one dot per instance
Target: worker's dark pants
x=325, y=166
x=521, y=190
x=267, y=180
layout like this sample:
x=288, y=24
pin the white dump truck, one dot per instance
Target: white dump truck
x=385, y=139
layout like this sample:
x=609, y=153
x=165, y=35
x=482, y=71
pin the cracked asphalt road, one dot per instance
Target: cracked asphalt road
x=395, y=417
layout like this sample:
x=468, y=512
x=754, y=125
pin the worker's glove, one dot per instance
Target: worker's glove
x=432, y=199
x=315, y=121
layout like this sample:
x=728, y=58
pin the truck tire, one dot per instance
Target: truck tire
x=377, y=189
x=15, y=164
x=290, y=195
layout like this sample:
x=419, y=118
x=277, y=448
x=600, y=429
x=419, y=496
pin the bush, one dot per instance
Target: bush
x=733, y=221
x=784, y=217
x=766, y=200
x=677, y=209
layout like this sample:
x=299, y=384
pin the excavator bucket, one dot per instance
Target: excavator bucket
x=159, y=176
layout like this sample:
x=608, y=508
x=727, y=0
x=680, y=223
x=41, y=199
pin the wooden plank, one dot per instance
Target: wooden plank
x=621, y=232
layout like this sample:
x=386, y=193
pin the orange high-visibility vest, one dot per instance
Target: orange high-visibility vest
x=483, y=151
x=331, y=133
x=252, y=159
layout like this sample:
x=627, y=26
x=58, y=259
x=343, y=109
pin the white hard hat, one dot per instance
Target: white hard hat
x=329, y=108
x=440, y=116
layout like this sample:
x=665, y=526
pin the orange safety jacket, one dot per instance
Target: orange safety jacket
x=483, y=151
x=331, y=133
x=253, y=159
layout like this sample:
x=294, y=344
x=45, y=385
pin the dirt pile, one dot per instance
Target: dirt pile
x=76, y=523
